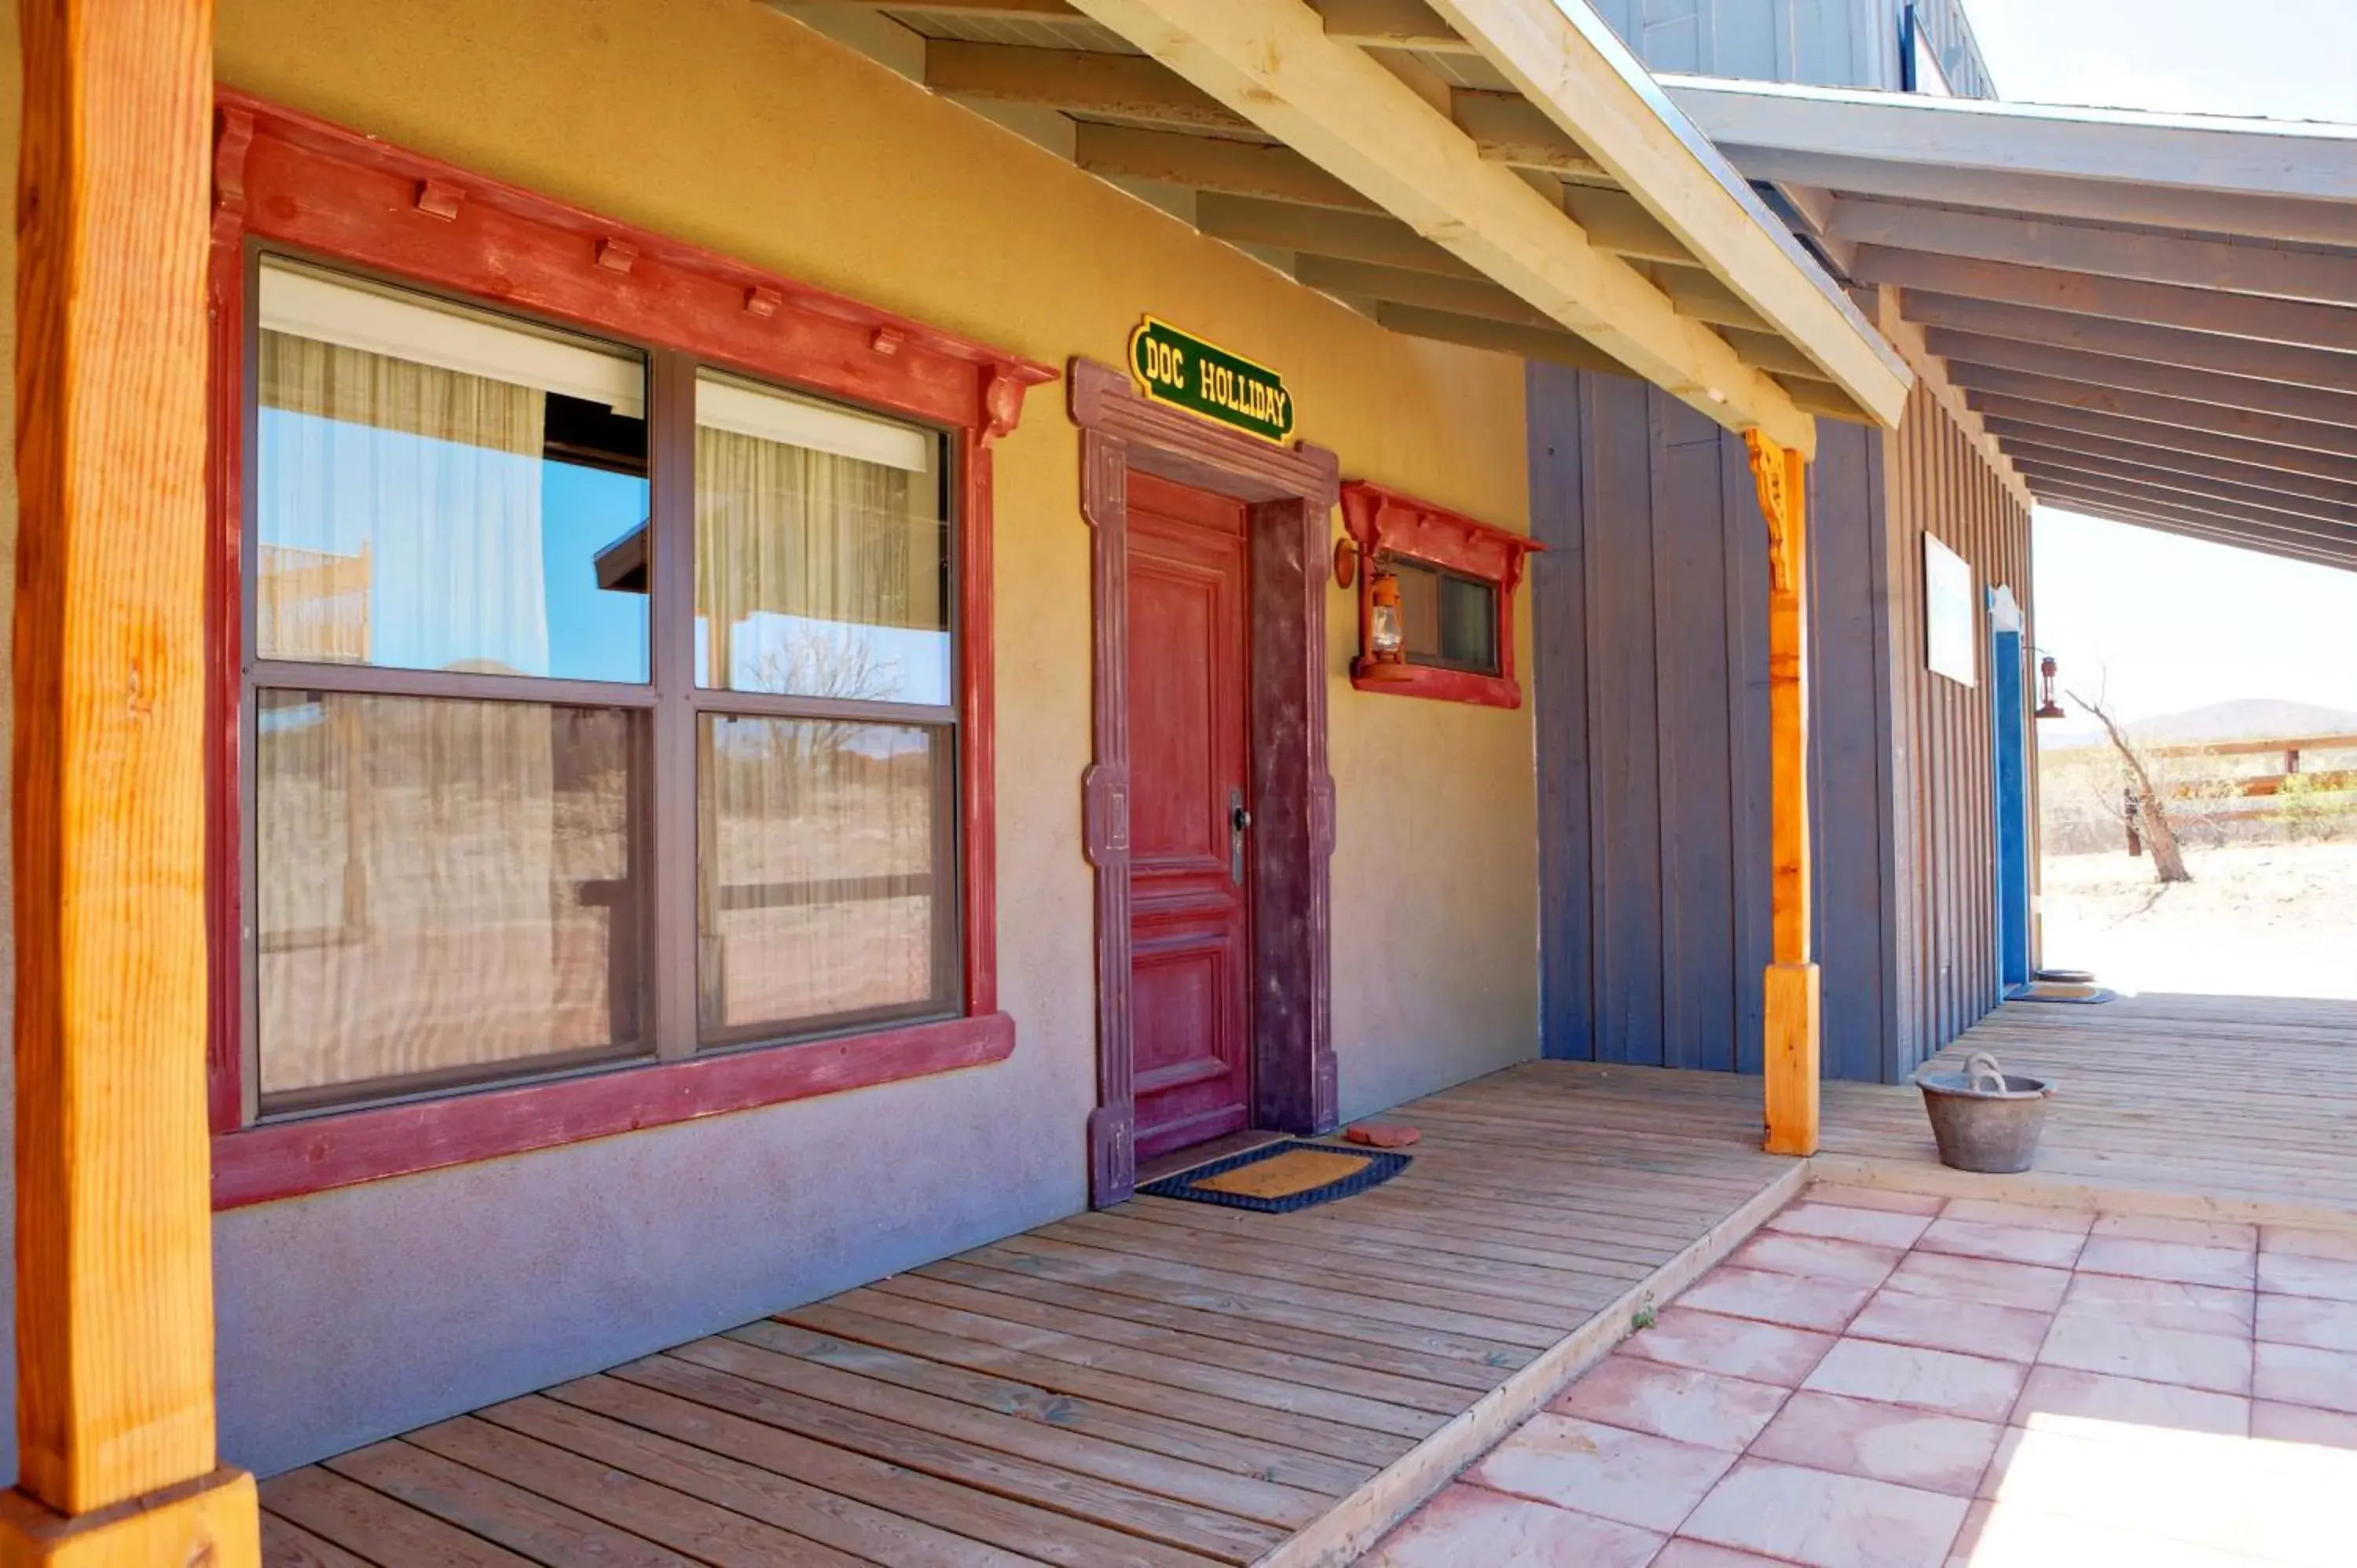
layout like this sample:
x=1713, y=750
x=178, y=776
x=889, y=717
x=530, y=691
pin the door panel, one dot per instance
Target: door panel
x=1189, y=933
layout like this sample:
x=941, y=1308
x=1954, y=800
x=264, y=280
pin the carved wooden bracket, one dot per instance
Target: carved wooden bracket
x=1779, y=474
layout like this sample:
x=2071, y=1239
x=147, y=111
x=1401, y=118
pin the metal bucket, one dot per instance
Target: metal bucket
x=1984, y=1118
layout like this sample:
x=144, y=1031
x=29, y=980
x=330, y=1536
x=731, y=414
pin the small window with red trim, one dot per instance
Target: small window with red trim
x=1436, y=598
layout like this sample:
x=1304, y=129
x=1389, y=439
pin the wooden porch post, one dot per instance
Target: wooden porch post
x=1792, y=1027
x=115, y=1328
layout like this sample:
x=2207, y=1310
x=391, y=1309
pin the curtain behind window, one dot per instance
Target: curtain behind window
x=418, y=858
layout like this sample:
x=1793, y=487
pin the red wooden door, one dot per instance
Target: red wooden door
x=1189, y=877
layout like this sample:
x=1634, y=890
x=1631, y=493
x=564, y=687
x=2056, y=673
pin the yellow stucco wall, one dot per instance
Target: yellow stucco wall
x=724, y=123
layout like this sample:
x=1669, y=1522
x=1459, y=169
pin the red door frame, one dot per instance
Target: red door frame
x=1291, y=492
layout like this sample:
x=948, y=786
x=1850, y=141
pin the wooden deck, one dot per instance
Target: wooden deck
x=1162, y=1385
x=2231, y=1107
x=1171, y=1385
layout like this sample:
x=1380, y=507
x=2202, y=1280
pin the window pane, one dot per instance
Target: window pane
x=820, y=550
x=443, y=891
x=824, y=884
x=1450, y=621
x=437, y=489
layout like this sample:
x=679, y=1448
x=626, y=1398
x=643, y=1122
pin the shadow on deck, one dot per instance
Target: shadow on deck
x=2205, y=1107
x=1163, y=1385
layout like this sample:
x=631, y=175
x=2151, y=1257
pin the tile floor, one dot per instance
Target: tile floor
x=1882, y=1380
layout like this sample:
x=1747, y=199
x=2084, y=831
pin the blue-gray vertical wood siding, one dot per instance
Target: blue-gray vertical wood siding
x=1825, y=43
x=1650, y=693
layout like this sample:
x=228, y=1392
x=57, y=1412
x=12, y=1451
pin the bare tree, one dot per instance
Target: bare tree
x=2152, y=810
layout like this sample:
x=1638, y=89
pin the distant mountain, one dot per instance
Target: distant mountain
x=2243, y=718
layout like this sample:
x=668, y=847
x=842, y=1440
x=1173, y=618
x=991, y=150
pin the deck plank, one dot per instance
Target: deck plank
x=374, y=1527
x=1160, y=1385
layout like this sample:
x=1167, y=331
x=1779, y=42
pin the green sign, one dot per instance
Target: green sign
x=1190, y=373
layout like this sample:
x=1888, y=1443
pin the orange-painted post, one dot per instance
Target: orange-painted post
x=115, y=1320
x=1794, y=1029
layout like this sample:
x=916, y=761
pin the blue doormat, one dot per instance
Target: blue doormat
x=1293, y=1176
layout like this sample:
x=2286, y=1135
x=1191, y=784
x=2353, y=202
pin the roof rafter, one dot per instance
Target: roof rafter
x=2015, y=411
x=2151, y=407
x=1334, y=103
x=2136, y=340
x=2142, y=375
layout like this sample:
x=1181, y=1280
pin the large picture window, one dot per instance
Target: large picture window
x=607, y=735
x=453, y=874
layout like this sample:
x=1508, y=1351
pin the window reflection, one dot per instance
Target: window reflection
x=438, y=490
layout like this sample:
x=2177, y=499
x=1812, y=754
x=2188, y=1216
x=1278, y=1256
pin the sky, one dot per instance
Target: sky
x=2165, y=623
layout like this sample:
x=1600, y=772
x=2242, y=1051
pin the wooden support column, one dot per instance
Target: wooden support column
x=1792, y=1038
x=114, y=1326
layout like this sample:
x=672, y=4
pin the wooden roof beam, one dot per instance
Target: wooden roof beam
x=971, y=10
x=2143, y=375
x=1077, y=81
x=2285, y=433
x=2229, y=265
x=1352, y=236
x=2209, y=533
x=1271, y=60
x=2004, y=413
x=1859, y=172
x=2169, y=458
x=1510, y=129
x=1567, y=61
x=2115, y=482
x=1431, y=291
x=1552, y=344
x=1389, y=25
x=2136, y=340
x=1210, y=163
x=2212, y=526
x=2122, y=299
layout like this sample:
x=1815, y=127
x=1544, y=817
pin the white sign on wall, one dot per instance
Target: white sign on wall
x=1950, y=627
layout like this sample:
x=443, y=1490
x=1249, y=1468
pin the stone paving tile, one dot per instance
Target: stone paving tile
x=2035, y=1216
x=1684, y=1553
x=2218, y=1233
x=2336, y=1244
x=2180, y=1486
x=2062, y=1394
x=1763, y=1352
x=1466, y=1525
x=2302, y=1505
x=1825, y=1521
x=1814, y=1258
x=2303, y=1423
x=2005, y=1243
x=1999, y=1536
x=2301, y=1374
x=1679, y=1403
x=1887, y=1199
x=1826, y=1305
x=2166, y=1261
x=1880, y=1442
x=2308, y=1320
x=1972, y=1327
x=1839, y=1223
x=2294, y=1273
x=1999, y=1284
x=1969, y=1386
x=2092, y=1341
x=2163, y=1303
x=1631, y=1478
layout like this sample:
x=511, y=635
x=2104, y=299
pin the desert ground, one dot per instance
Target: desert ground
x=2257, y=920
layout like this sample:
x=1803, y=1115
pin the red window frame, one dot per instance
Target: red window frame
x=1382, y=521
x=289, y=179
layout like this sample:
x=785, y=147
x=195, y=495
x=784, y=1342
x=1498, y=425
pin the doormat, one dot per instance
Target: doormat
x=2062, y=991
x=1281, y=1178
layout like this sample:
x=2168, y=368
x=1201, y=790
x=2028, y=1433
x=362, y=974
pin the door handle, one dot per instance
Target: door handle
x=1238, y=821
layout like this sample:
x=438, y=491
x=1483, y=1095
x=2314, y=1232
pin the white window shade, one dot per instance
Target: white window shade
x=305, y=304
x=820, y=427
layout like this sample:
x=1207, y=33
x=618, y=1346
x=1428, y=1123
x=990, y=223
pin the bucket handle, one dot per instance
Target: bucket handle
x=1981, y=1065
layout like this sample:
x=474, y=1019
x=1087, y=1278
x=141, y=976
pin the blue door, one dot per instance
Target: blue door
x=2009, y=727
